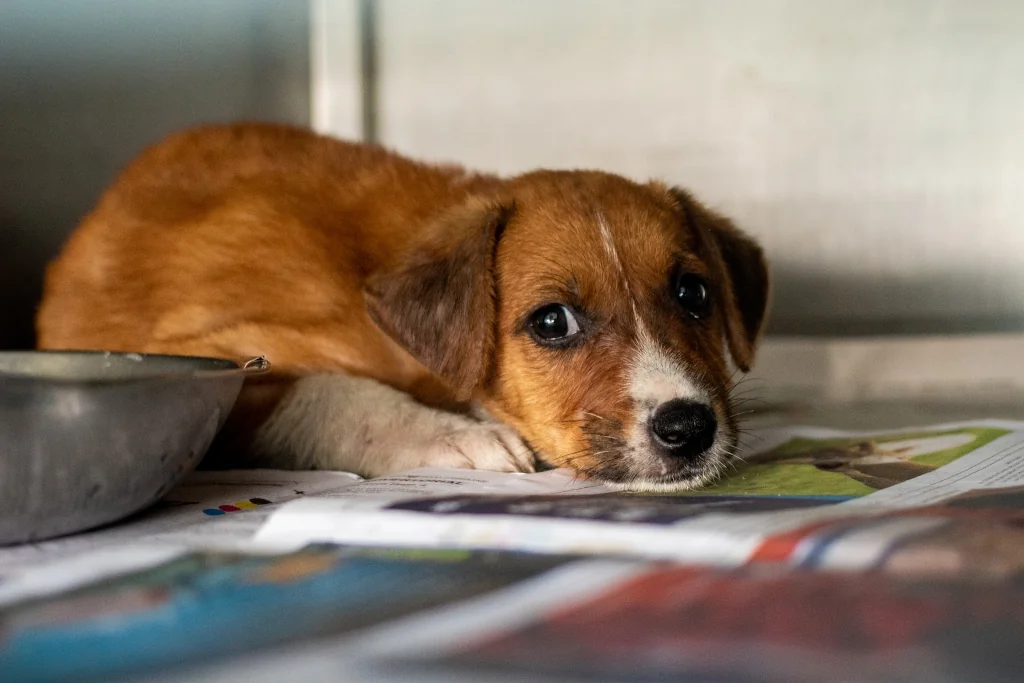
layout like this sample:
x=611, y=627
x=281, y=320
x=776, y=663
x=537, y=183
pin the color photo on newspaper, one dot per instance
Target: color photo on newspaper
x=209, y=605
x=855, y=465
x=676, y=623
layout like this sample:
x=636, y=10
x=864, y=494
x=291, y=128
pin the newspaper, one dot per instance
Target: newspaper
x=649, y=622
x=828, y=555
x=810, y=496
x=440, y=616
x=803, y=495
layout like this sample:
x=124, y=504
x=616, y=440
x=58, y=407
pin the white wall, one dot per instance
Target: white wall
x=876, y=147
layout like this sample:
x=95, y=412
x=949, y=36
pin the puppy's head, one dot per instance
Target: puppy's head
x=592, y=314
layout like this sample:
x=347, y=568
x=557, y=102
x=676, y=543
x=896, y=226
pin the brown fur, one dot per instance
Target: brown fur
x=325, y=256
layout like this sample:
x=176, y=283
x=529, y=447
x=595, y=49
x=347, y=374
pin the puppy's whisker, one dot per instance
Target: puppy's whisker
x=745, y=433
x=608, y=437
x=748, y=379
x=746, y=393
x=569, y=458
x=744, y=401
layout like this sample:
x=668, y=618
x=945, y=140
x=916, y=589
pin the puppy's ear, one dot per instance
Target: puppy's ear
x=741, y=267
x=440, y=303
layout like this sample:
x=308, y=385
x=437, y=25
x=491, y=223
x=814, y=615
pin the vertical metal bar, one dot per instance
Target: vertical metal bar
x=368, y=68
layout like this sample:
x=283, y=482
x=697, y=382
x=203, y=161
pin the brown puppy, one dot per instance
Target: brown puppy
x=405, y=307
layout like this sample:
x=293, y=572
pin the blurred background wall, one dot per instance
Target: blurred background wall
x=876, y=147
x=85, y=85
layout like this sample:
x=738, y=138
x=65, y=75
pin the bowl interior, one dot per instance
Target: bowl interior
x=93, y=366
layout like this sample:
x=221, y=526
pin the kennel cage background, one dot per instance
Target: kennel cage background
x=874, y=148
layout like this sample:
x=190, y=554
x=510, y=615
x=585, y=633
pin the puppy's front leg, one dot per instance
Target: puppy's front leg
x=341, y=422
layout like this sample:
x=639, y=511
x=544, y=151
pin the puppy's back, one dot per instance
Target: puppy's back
x=216, y=227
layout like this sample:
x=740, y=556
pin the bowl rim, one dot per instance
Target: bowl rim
x=254, y=366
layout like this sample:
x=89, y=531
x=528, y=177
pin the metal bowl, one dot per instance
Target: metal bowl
x=90, y=437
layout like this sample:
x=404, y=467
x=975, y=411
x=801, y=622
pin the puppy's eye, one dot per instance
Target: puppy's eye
x=553, y=323
x=691, y=291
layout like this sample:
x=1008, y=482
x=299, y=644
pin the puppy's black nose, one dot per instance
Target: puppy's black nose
x=682, y=428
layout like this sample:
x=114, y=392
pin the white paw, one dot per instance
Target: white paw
x=468, y=444
x=492, y=446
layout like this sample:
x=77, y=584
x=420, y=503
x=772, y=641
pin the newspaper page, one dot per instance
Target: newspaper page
x=805, y=496
x=689, y=623
x=331, y=613
x=615, y=620
x=925, y=591
x=819, y=497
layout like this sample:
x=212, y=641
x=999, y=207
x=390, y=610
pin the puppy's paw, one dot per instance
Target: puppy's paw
x=492, y=446
x=468, y=444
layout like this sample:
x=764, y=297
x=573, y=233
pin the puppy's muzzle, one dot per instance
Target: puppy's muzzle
x=682, y=429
